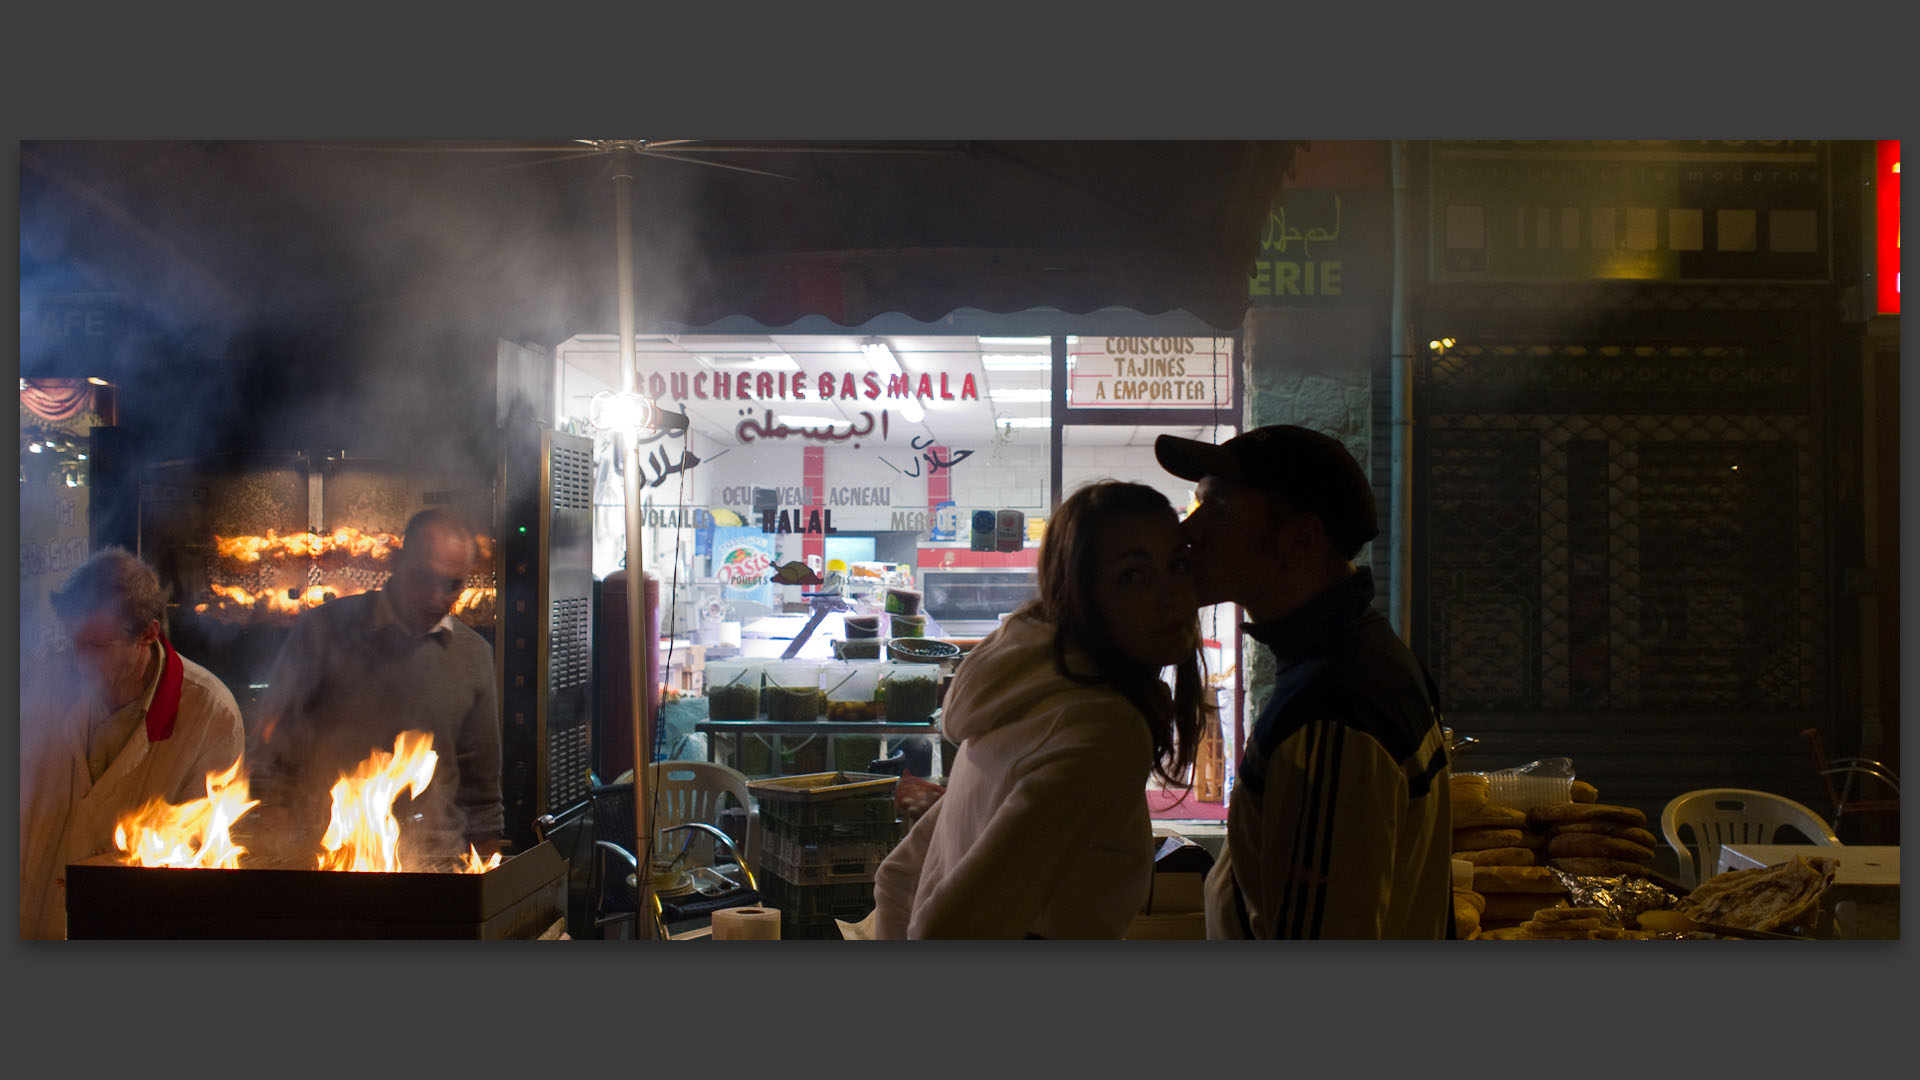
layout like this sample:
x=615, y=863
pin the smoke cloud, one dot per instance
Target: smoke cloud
x=269, y=297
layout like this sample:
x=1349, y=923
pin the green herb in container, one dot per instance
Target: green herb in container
x=912, y=693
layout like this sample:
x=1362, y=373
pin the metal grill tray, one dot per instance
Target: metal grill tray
x=518, y=898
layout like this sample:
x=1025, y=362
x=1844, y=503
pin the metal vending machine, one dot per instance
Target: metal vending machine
x=543, y=654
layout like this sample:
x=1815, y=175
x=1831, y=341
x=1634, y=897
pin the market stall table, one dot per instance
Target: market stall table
x=1864, y=900
x=1861, y=865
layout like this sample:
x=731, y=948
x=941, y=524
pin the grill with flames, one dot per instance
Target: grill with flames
x=272, y=578
x=181, y=873
x=245, y=542
x=522, y=897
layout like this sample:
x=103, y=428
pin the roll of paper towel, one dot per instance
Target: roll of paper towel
x=746, y=924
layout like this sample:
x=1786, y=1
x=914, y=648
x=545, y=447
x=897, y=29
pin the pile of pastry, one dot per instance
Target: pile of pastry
x=1515, y=893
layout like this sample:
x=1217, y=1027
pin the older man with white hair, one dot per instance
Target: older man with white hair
x=131, y=720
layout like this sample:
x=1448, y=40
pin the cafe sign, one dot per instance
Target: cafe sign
x=1150, y=373
x=1662, y=209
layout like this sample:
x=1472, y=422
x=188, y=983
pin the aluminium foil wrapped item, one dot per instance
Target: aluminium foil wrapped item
x=1623, y=897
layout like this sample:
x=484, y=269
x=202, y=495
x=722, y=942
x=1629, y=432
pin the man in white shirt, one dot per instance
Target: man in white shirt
x=128, y=721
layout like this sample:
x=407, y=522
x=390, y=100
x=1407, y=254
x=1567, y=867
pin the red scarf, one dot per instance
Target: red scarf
x=166, y=696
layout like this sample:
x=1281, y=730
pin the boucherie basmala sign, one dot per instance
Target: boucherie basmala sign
x=1150, y=373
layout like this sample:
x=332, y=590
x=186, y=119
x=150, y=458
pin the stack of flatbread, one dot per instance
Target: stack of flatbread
x=1509, y=885
x=1488, y=833
x=1594, y=839
x=1568, y=924
x=1769, y=898
x=1467, y=906
x=1514, y=895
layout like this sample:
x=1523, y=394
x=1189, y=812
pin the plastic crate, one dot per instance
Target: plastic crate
x=835, y=859
x=821, y=873
x=814, y=799
x=810, y=929
x=823, y=787
x=875, y=820
x=887, y=831
x=803, y=903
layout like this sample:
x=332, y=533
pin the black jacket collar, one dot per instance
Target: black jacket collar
x=1312, y=628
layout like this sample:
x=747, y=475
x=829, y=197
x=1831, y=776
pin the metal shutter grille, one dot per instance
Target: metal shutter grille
x=1625, y=522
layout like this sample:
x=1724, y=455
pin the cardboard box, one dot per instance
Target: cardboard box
x=1179, y=877
x=1177, y=892
x=1181, y=926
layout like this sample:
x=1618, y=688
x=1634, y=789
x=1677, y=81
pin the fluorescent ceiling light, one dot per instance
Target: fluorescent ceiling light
x=1015, y=341
x=750, y=363
x=1015, y=362
x=881, y=355
x=1039, y=393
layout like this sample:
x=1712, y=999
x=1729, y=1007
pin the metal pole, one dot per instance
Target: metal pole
x=1399, y=591
x=639, y=657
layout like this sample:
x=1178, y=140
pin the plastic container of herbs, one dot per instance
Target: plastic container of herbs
x=793, y=693
x=733, y=689
x=852, y=690
x=911, y=692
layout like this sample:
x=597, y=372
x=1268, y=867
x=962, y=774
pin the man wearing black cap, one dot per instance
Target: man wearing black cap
x=1339, y=826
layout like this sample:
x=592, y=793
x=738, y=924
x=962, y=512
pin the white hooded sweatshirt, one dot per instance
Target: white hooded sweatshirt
x=1043, y=830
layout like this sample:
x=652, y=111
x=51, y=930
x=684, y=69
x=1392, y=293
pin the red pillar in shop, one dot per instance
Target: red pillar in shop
x=938, y=484
x=813, y=479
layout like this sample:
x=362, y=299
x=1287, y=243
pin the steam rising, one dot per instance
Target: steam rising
x=271, y=296
x=301, y=296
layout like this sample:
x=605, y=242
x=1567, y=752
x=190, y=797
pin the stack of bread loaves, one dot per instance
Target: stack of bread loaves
x=1569, y=924
x=1515, y=852
x=1594, y=839
x=1503, y=850
x=1467, y=906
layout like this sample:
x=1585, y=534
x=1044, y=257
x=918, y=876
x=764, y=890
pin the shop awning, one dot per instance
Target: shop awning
x=521, y=237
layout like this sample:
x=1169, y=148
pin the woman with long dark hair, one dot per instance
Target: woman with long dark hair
x=1061, y=714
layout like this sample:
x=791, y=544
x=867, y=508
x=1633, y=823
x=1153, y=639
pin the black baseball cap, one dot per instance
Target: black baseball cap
x=1314, y=471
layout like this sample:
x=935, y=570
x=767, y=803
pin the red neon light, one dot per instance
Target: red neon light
x=1886, y=183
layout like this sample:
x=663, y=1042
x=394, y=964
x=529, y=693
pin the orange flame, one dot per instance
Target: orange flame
x=363, y=833
x=193, y=834
x=330, y=551
x=269, y=601
x=472, y=597
x=346, y=540
x=471, y=863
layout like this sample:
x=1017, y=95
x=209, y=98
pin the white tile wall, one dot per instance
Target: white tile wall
x=875, y=467
x=1084, y=465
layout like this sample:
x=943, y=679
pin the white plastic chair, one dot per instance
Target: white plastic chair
x=1716, y=816
x=689, y=805
x=687, y=791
